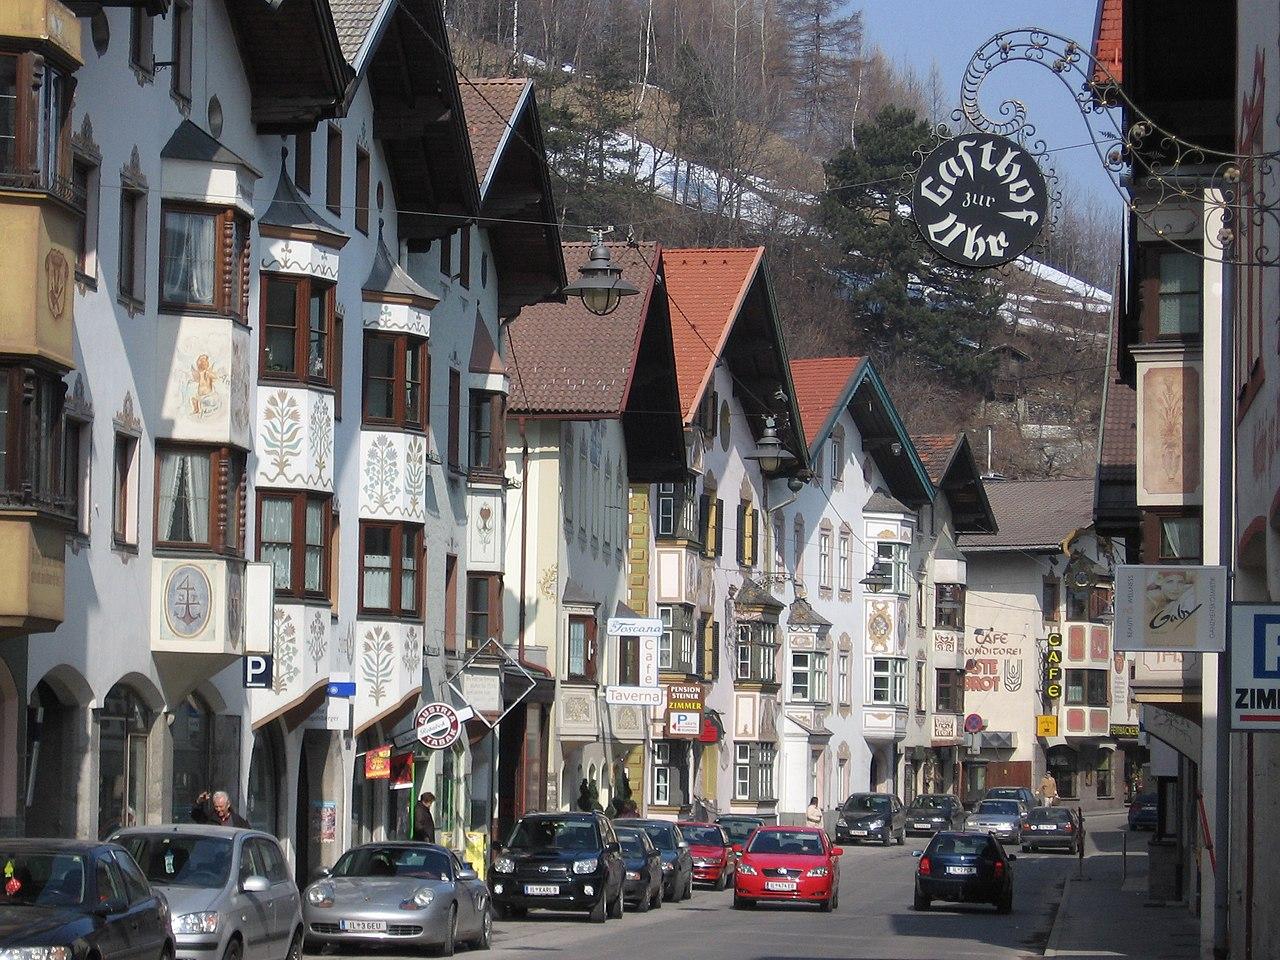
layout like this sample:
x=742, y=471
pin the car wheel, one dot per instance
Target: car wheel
x=669, y=890
x=835, y=899
x=615, y=908
x=234, y=951
x=902, y=836
x=655, y=901
x=485, y=940
x=1026, y=847
x=166, y=952
x=722, y=881
x=688, y=888
x=827, y=905
x=887, y=838
x=743, y=903
x=1005, y=903
x=447, y=948
x=600, y=912
x=921, y=902
x=295, y=946
x=642, y=905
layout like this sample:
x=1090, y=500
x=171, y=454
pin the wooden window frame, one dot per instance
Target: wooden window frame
x=305, y=287
x=497, y=403
x=493, y=593
x=30, y=479
x=124, y=490
x=455, y=420
x=941, y=604
x=948, y=691
x=1053, y=584
x=591, y=650
x=298, y=500
x=230, y=287
x=88, y=196
x=1152, y=528
x=446, y=256
x=451, y=603
x=142, y=49
x=224, y=503
x=400, y=417
x=183, y=50
x=133, y=202
x=396, y=607
x=1148, y=263
x=333, y=169
x=363, y=173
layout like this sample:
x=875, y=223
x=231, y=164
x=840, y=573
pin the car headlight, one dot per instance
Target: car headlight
x=817, y=872
x=586, y=866
x=320, y=895
x=746, y=870
x=875, y=825
x=36, y=953
x=422, y=898
x=971, y=825
x=504, y=865
x=196, y=923
x=666, y=867
x=633, y=874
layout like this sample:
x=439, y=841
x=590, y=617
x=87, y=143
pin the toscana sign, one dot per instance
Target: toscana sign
x=979, y=200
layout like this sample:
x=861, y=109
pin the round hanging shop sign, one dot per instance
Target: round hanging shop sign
x=437, y=726
x=979, y=200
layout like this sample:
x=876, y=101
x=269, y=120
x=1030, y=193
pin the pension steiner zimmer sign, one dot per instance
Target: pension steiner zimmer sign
x=979, y=200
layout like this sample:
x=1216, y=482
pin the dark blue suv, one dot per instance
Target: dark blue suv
x=559, y=861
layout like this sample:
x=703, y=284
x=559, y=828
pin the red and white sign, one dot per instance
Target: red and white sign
x=437, y=725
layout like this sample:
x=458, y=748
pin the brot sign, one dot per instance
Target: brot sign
x=979, y=200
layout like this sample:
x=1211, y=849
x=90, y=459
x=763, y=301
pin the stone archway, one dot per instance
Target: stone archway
x=59, y=756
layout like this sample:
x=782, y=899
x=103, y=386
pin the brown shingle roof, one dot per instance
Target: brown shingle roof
x=490, y=108
x=353, y=20
x=706, y=287
x=566, y=360
x=1034, y=514
x=935, y=450
x=1108, y=41
x=820, y=384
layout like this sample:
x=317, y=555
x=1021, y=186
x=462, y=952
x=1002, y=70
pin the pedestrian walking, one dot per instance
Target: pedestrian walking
x=1049, y=789
x=424, y=822
x=813, y=815
x=215, y=810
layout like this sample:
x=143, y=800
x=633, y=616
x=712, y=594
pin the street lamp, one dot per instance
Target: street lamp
x=600, y=285
x=769, y=452
x=878, y=579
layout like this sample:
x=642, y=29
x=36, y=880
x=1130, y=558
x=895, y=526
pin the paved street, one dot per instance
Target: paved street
x=875, y=919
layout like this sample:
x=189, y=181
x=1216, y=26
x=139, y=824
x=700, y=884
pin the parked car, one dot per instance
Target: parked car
x=642, y=887
x=872, y=816
x=677, y=861
x=230, y=891
x=1143, y=812
x=1025, y=794
x=788, y=864
x=1001, y=818
x=399, y=894
x=739, y=826
x=89, y=897
x=1055, y=827
x=964, y=867
x=713, y=854
x=559, y=861
x=931, y=812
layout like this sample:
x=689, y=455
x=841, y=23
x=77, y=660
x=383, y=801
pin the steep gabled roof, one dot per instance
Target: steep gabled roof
x=954, y=471
x=1034, y=514
x=822, y=384
x=1108, y=42
x=491, y=106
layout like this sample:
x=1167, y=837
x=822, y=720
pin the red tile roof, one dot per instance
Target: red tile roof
x=935, y=451
x=820, y=384
x=706, y=287
x=490, y=109
x=563, y=359
x=1108, y=42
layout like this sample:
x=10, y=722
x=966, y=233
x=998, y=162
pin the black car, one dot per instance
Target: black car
x=642, y=888
x=930, y=812
x=739, y=826
x=71, y=900
x=963, y=867
x=872, y=816
x=1055, y=827
x=677, y=861
x=559, y=861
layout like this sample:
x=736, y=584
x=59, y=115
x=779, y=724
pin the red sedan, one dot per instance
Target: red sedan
x=795, y=864
x=713, y=854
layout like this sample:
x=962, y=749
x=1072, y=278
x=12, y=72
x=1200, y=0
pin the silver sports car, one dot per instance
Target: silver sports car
x=1002, y=818
x=389, y=894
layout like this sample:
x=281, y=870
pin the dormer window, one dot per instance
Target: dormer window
x=203, y=254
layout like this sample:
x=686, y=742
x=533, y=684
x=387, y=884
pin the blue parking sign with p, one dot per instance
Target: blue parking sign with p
x=257, y=671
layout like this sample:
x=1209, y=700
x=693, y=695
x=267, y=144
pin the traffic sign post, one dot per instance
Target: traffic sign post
x=258, y=671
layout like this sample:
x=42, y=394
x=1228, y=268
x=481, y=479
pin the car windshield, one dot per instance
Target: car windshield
x=958, y=845
x=1004, y=793
x=1000, y=808
x=1146, y=799
x=800, y=842
x=631, y=842
x=703, y=836
x=421, y=862
x=41, y=878
x=545, y=833
x=928, y=803
x=662, y=835
x=181, y=860
x=1050, y=815
x=738, y=830
x=865, y=803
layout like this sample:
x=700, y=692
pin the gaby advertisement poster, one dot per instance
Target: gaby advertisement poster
x=1170, y=607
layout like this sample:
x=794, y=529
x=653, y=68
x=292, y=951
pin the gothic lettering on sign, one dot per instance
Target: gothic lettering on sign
x=979, y=200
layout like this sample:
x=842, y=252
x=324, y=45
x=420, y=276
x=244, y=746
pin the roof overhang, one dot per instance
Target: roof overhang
x=962, y=485
x=881, y=428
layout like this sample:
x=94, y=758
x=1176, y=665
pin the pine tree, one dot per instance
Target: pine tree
x=823, y=50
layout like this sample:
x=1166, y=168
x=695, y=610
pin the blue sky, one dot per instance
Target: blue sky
x=919, y=32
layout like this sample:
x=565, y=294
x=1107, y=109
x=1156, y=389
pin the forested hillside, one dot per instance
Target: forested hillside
x=779, y=122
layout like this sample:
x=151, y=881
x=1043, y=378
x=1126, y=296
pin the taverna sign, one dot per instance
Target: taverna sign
x=979, y=200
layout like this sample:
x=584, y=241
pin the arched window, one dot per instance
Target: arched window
x=125, y=725
x=192, y=732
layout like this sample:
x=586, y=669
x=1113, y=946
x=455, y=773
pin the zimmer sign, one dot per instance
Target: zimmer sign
x=979, y=200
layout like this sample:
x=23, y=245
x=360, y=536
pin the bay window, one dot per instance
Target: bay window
x=948, y=687
x=1171, y=300
x=484, y=609
x=675, y=646
x=809, y=676
x=299, y=341
x=487, y=452
x=294, y=536
x=199, y=492
x=891, y=559
x=677, y=511
x=1087, y=688
x=948, y=611
x=35, y=138
x=31, y=439
x=753, y=771
x=757, y=652
x=391, y=568
x=888, y=681
x=582, y=647
x=396, y=380
x=203, y=259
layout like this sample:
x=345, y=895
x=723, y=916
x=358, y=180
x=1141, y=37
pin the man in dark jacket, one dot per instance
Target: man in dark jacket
x=424, y=824
x=215, y=810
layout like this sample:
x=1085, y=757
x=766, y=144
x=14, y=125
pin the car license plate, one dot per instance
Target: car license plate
x=962, y=871
x=540, y=889
x=364, y=926
x=858, y=833
x=1045, y=826
x=780, y=885
x=922, y=825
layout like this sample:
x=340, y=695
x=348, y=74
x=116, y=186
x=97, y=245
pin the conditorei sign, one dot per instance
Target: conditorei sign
x=979, y=200
x=1172, y=608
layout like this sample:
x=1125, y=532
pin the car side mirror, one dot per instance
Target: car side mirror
x=255, y=884
x=613, y=847
x=917, y=854
x=683, y=844
x=737, y=848
x=468, y=874
x=321, y=873
x=110, y=906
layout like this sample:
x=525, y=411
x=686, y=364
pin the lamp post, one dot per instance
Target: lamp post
x=600, y=284
x=770, y=453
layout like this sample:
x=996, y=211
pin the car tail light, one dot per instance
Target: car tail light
x=999, y=869
x=926, y=867
x=1071, y=827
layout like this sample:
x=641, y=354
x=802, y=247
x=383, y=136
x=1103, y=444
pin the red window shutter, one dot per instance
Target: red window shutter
x=455, y=416
x=592, y=666
x=497, y=439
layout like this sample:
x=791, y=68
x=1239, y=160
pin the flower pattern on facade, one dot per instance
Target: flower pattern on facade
x=317, y=641
x=415, y=467
x=281, y=433
x=382, y=475
x=285, y=668
x=378, y=662
x=412, y=656
x=320, y=439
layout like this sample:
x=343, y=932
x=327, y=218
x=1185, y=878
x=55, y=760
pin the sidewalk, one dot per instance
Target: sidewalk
x=1105, y=917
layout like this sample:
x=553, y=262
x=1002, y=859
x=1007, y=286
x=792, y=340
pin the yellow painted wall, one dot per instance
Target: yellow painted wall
x=37, y=276
x=42, y=20
x=31, y=591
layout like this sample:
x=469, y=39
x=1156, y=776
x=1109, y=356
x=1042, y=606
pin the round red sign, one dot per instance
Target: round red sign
x=437, y=725
x=973, y=723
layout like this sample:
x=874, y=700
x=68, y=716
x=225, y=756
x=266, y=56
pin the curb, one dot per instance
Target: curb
x=1051, y=948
